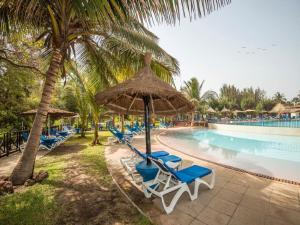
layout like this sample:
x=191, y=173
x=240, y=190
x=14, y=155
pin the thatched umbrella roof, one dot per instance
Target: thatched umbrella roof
x=225, y=110
x=127, y=97
x=249, y=110
x=278, y=108
x=293, y=109
x=211, y=110
x=53, y=112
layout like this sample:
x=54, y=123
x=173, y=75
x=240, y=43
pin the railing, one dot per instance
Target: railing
x=10, y=142
x=290, y=123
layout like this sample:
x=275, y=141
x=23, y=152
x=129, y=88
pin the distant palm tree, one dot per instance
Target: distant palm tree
x=76, y=28
x=192, y=90
x=279, y=97
x=296, y=100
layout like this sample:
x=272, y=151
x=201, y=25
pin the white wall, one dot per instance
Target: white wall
x=257, y=129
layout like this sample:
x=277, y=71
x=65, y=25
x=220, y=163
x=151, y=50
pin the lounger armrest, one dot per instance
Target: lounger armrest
x=173, y=165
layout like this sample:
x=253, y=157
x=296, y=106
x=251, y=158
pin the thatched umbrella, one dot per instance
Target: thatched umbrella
x=250, y=111
x=53, y=113
x=278, y=109
x=225, y=110
x=143, y=93
x=211, y=110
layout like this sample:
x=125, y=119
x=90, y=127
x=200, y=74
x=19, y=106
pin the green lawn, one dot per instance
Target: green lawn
x=37, y=205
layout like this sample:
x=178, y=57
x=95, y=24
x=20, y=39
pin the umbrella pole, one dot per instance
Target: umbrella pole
x=147, y=126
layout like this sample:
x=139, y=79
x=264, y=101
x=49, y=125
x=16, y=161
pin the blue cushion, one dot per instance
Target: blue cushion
x=157, y=154
x=170, y=158
x=190, y=174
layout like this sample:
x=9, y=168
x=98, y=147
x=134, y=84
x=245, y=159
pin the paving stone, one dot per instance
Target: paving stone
x=246, y=216
x=287, y=215
x=177, y=217
x=236, y=187
x=223, y=206
x=210, y=216
x=269, y=220
x=255, y=203
x=230, y=196
x=197, y=222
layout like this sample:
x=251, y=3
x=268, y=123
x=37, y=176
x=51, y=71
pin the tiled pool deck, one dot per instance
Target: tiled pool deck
x=237, y=199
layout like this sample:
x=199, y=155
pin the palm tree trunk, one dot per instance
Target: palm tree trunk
x=122, y=123
x=192, y=121
x=24, y=169
x=96, y=131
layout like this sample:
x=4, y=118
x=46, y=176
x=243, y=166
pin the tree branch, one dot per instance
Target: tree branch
x=21, y=66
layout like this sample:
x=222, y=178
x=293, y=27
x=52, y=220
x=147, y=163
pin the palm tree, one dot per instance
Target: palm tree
x=279, y=97
x=296, y=100
x=192, y=90
x=77, y=26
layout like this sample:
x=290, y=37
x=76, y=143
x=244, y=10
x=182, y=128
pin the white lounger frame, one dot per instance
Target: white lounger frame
x=130, y=162
x=168, y=183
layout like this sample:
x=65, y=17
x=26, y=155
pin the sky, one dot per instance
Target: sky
x=247, y=43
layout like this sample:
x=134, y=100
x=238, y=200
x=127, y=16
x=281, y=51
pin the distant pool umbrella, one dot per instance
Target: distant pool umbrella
x=249, y=110
x=142, y=94
x=225, y=110
x=236, y=112
x=278, y=109
x=211, y=110
x=53, y=113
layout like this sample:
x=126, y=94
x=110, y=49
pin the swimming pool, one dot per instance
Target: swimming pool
x=272, y=155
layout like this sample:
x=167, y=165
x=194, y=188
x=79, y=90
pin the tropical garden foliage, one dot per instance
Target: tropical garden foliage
x=232, y=97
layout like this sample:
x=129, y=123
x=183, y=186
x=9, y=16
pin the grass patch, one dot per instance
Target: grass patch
x=36, y=205
x=93, y=156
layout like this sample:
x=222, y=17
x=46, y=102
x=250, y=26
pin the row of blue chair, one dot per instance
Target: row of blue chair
x=49, y=142
x=119, y=136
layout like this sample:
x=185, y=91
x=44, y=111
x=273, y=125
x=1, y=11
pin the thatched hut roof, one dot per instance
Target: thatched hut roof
x=127, y=97
x=250, y=111
x=279, y=108
x=225, y=110
x=211, y=110
x=53, y=112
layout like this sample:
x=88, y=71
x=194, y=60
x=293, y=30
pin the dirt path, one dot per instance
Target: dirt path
x=88, y=197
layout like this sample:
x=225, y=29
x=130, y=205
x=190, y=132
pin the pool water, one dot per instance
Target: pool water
x=272, y=155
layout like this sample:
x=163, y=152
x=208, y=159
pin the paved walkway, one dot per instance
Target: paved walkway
x=7, y=163
x=237, y=199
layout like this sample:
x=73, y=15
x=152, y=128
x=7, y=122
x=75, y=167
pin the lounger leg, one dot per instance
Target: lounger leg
x=175, y=199
x=200, y=181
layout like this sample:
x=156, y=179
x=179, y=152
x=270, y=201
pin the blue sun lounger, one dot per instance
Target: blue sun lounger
x=129, y=163
x=162, y=155
x=45, y=142
x=48, y=143
x=133, y=130
x=169, y=180
x=119, y=136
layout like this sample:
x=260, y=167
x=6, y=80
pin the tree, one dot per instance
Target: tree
x=66, y=26
x=296, y=100
x=230, y=96
x=192, y=90
x=279, y=97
